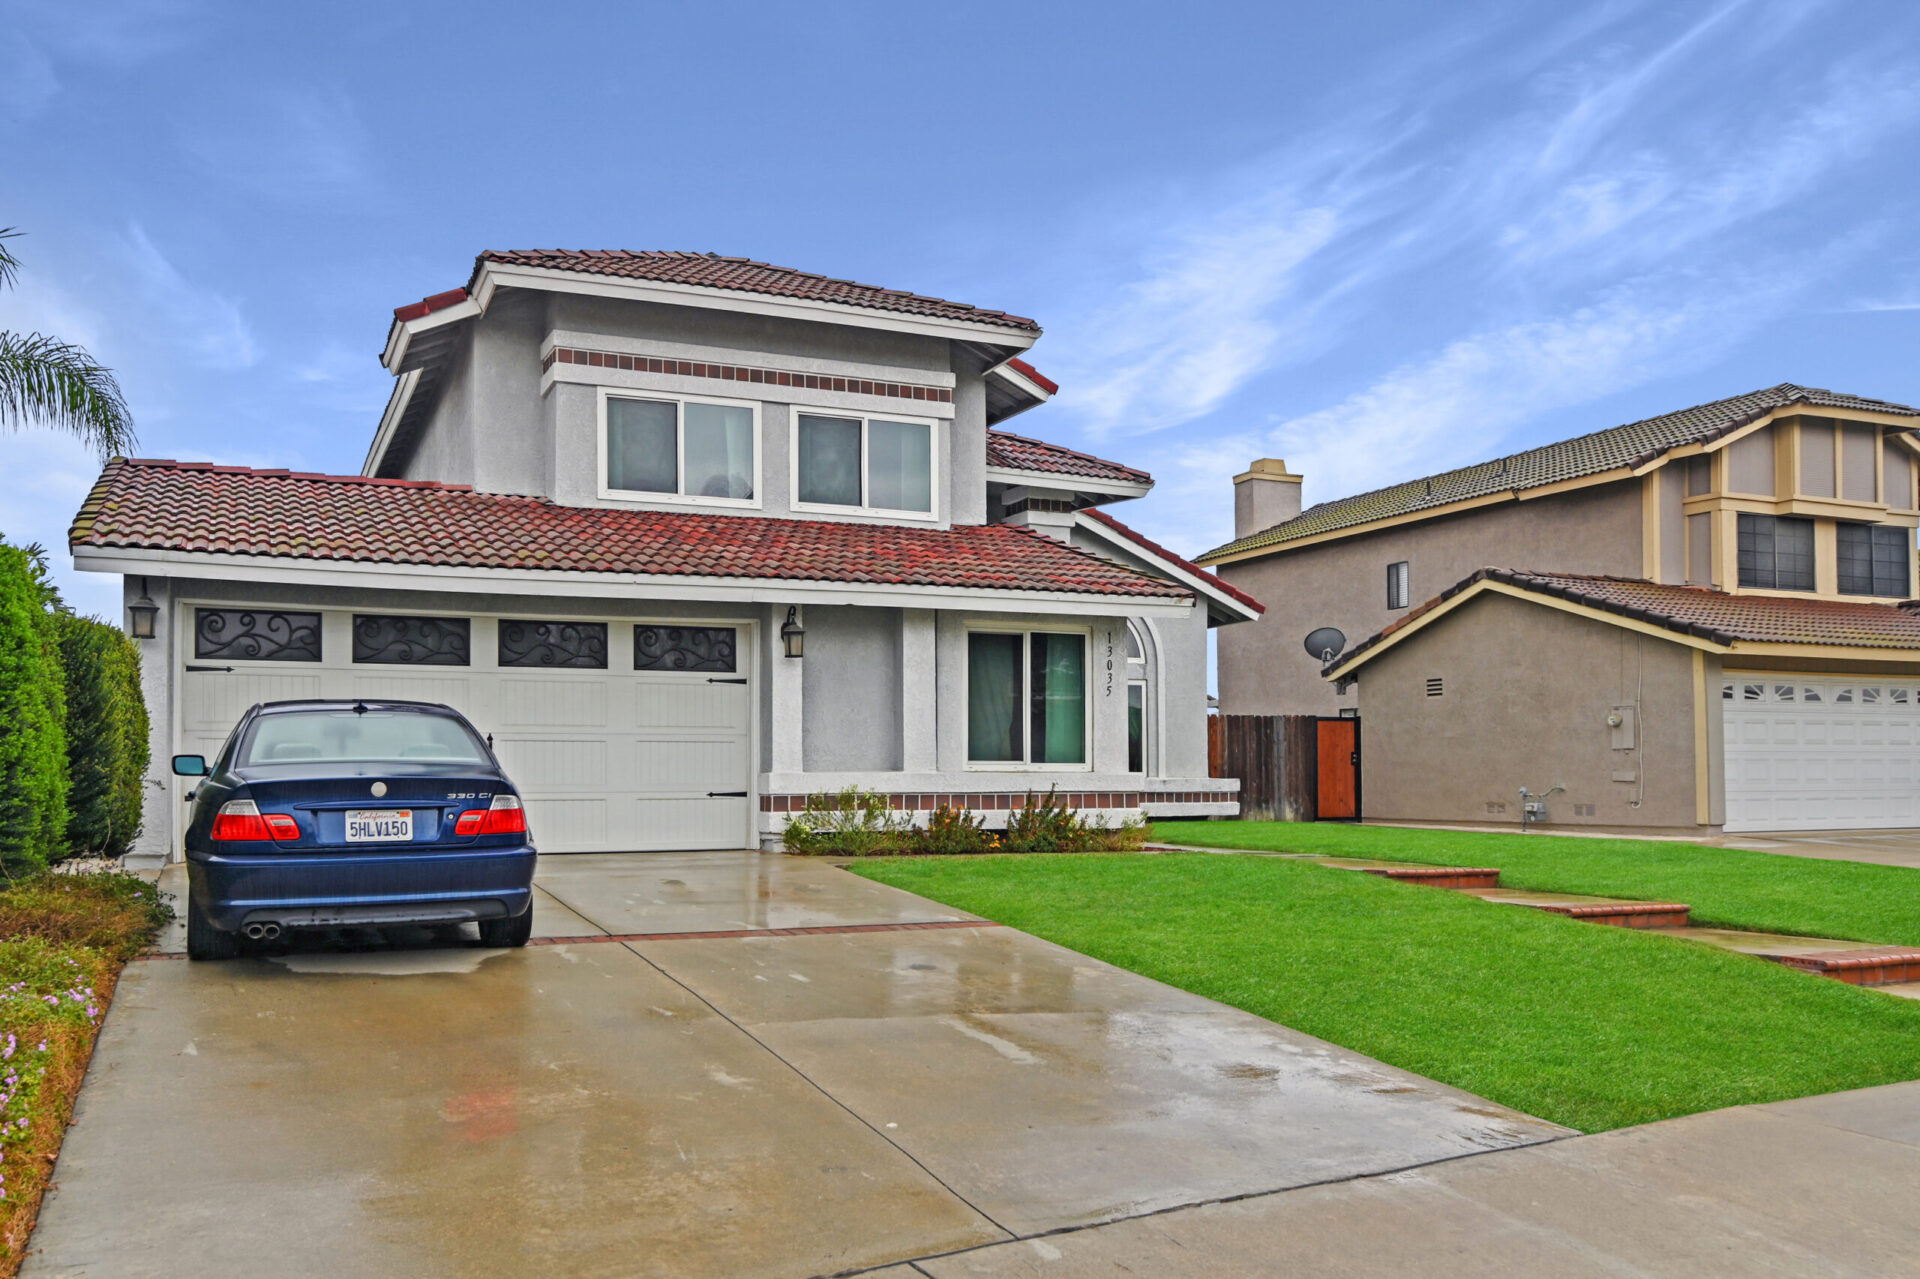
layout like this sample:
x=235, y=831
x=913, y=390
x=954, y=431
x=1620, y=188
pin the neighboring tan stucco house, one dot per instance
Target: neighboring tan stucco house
x=691, y=538
x=1699, y=621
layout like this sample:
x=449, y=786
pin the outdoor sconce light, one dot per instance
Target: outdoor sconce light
x=793, y=635
x=140, y=615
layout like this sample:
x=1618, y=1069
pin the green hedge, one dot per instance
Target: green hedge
x=106, y=736
x=33, y=745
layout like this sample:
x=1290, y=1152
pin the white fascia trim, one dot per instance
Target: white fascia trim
x=1185, y=577
x=500, y=581
x=403, y=331
x=1020, y=382
x=395, y=410
x=494, y=276
x=1068, y=483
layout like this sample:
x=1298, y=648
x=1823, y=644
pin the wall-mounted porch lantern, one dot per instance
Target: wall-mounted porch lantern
x=793, y=636
x=140, y=615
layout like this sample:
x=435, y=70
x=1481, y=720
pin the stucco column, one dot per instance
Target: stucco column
x=159, y=804
x=787, y=698
x=919, y=724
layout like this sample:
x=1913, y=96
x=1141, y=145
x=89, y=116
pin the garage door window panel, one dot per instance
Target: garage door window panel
x=553, y=645
x=685, y=648
x=255, y=635
x=412, y=641
x=1775, y=553
x=1873, y=559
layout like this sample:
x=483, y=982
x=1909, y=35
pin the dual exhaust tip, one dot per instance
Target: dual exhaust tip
x=261, y=932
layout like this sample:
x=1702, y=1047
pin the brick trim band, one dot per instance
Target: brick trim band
x=744, y=373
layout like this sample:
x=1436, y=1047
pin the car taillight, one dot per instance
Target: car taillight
x=503, y=817
x=241, y=819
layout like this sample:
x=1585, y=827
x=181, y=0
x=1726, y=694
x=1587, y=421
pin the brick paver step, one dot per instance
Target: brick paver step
x=1440, y=876
x=1620, y=914
x=1867, y=966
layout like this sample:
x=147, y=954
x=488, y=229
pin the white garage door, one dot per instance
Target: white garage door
x=621, y=736
x=1827, y=753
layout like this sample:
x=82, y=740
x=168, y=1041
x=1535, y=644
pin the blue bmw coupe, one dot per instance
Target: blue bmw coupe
x=353, y=814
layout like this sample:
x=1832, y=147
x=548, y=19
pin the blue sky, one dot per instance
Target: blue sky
x=1376, y=239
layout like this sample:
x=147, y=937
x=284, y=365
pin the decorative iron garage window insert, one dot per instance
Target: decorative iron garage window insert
x=683, y=648
x=412, y=641
x=581, y=645
x=256, y=635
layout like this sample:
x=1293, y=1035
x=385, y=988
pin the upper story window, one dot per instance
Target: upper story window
x=1776, y=553
x=1873, y=558
x=863, y=463
x=700, y=450
x=1399, y=584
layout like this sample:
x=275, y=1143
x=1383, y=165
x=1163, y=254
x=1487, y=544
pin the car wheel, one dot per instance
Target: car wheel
x=511, y=931
x=204, y=941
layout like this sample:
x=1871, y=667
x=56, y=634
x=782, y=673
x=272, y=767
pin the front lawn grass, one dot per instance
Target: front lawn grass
x=1586, y=1025
x=1727, y=887
x=63, y=940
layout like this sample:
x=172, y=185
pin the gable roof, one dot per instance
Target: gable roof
x=232, y=510
x=1020, y=453
x=1721, y=619
x=1631, y=445
x=711, y=271
x=1206, y=579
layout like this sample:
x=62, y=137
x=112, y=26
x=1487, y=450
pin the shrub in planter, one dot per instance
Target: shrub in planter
x=106, y=731
x=851, y=823
x=954, y=830
x=1043, y=825
x=33, y=748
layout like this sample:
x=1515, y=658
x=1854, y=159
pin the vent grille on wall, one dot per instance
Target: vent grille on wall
x=1583, y=810
x=1436, y=687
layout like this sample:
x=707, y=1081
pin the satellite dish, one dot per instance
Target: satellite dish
x=1325, y=643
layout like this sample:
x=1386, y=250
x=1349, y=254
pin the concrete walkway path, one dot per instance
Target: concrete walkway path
x=828, y=1074
x=1820, y=1186
x=1881, y=847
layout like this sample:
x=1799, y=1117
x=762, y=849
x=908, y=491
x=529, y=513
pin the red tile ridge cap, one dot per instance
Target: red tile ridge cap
x=1034, y=375
x=427, y=306
x=282, y=473
x=1131, y=535
x=1061, y=448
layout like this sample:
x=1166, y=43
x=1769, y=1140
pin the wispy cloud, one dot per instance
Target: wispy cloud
x=205, y=324
x=293, y=144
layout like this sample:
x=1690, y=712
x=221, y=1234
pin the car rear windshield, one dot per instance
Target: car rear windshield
x=360, y=737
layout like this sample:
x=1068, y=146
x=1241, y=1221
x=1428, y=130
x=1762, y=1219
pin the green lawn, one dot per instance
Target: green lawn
x=1727, y=887
x=1590, y=1026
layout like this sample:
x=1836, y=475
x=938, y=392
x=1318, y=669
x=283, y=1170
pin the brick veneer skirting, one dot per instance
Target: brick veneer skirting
x=740, y=373
x=1008, y=801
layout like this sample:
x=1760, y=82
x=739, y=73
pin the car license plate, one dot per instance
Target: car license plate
x=378, y=825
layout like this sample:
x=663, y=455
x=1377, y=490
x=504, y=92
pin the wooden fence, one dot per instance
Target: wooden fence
x=1276, y=758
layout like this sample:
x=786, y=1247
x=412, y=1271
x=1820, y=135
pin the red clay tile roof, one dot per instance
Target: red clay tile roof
x=1018, y=453
x=1693, y=610
x=427, y=306
x=196, y=506
x=1034, y=375
x=1225, y=588
x=711, y=271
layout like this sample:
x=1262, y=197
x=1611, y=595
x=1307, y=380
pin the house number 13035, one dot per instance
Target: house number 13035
x=1109, y=692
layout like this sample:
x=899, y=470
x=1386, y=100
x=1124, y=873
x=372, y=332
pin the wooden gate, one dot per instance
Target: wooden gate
x=1337, y=788
x=1276, y=759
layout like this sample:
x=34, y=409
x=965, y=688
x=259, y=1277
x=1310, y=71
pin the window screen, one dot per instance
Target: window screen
x=1399, y=585
x=1873, y=559
x=1775, y=553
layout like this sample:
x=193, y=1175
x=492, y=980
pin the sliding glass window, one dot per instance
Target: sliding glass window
x=681, y=448
x=1026, y=698
x=863, y=463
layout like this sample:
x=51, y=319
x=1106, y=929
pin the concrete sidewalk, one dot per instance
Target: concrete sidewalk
x=1820, y=1186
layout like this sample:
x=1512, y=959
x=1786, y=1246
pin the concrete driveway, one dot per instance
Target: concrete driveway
x=845, y=1077
x=1884, y=847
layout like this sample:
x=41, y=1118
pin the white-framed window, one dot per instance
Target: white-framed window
x=1027, y=703
x=1399, y=584
x=860, y=462
x=679, y=448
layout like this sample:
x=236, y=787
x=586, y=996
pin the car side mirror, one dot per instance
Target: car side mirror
x=189, y=765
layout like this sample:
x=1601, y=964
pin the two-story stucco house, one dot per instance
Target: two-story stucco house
x=690, y=538
x=1699, y=621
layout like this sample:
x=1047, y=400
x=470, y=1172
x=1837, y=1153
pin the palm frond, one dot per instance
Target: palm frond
x=9, y=265
x=47, y=382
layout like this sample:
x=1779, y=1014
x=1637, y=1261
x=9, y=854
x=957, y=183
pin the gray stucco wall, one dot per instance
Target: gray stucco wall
x=1528, y=690
x=1264, y=668
x=852, y=692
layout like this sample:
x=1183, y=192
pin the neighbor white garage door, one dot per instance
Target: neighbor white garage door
x=608, y=757
x=1823, y=753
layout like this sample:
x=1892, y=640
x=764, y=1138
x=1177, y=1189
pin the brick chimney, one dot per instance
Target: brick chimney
x=1266, y=494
